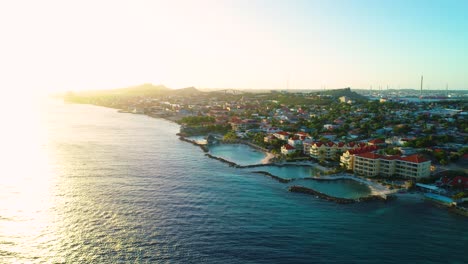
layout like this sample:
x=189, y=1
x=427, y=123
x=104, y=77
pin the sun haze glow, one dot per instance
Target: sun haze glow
x=70, y=45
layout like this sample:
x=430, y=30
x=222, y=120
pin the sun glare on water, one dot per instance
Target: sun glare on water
x=25, y=177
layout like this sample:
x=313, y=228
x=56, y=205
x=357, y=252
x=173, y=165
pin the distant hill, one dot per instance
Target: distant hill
x=146, y=89
x=189, y=91
x=343, y=92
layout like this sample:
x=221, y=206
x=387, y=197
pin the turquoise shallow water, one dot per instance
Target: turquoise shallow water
x=119, y=188
x=288, y=172
x=338, y=188
x=238, y=153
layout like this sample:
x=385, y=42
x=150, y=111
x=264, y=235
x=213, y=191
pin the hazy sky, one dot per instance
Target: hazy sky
x=70, y=45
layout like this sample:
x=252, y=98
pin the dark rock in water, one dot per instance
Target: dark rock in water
x=211, y=140
x=301, y=189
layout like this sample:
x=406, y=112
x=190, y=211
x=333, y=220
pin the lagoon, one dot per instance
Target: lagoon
x=238, y=153
x=349, y=189
x=289, y=171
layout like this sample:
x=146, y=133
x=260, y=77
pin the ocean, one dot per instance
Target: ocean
x=85, y=184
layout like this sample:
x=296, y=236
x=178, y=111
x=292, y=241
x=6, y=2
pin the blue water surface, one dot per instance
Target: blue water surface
x=123, y=188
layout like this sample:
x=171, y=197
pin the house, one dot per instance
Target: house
x=243, y=125
x=269, y=138
x=297, y=141
x=282, y=135
x=287, y=149
x=376, y=142
x=459, y=182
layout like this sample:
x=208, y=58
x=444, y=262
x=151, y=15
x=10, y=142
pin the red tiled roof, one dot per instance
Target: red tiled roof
x=288, y=147
x=283, y=133
x=363, y=149
x=393, y=157
x=376, y=141
x=369, y=155
x=460, y=181
x=414, y=159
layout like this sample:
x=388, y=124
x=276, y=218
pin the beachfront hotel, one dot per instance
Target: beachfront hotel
x=372, y=164
x=347, y=159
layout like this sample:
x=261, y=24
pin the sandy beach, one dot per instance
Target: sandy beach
x=376, y=188
x=268, y=158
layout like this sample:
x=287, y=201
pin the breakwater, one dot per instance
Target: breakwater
x=250, y=144
x=203, y=147
x=232, y=164
x=305, y=190
x=273, y=176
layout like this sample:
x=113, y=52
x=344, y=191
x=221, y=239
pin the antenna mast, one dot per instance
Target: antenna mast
x=422, y=77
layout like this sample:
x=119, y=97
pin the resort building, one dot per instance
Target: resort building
x=330, y=150
x=297, y=141
x=372, y=164
x=347, y=159
x=287, y=149
x=306, y=148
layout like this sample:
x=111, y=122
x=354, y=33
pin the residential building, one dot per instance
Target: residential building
x=287, y=149
x=330, y=150
x=372, y=164
x=282, y=135
x=347, y=159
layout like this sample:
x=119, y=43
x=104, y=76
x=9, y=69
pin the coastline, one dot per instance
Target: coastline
x=376, y=188
x=378, y=192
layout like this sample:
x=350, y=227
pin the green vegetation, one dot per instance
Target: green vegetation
x=460, y=195
x=429, y=141
x=197, y=120
x=203, y=130
x=230, y=136
x=392, y=151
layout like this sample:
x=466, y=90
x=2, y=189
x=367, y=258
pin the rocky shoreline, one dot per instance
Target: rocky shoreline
x=297, y=189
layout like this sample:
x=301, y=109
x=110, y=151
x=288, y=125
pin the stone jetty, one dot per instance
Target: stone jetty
x=301, y=189
x=273, y=176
